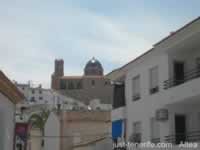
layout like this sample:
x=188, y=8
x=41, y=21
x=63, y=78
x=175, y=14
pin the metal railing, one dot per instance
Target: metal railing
x=120, y=148
x=176, y=138
x=193, y=136
x=155, y=140
x=189, y=75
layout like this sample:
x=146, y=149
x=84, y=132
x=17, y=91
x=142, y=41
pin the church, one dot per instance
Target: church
x=91, y=87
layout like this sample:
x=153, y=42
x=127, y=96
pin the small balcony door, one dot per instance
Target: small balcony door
x=180, y=128
x=19, y=146
x=178, y=72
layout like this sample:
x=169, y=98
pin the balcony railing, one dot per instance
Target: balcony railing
x=189, y=75
x=176, y=138
x=193, y=136
x=155, y=140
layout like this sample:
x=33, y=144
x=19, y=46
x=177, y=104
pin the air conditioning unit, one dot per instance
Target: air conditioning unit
x=162, y=114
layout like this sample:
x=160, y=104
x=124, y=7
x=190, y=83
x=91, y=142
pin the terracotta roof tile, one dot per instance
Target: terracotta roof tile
x=9, y=89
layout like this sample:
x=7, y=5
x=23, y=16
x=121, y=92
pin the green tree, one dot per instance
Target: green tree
x=38, y=121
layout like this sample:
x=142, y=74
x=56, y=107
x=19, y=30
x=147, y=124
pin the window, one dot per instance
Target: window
x=93, y=83
x=155, y=131
x=136, y=88
x=179, y=72
x=198, y=62
x=40, y=98
x=79, y=85
x=137, y=132
x=198, y=118
x=119, y=95
x=63, y=84
x=154, y=80
x=33, y=99
x=33, y=91
x=137, y=127
x=40, y=91
x=198, y=66
x=71, y=85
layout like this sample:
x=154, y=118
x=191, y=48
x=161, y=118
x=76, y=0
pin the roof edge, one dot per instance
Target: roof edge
x=177, y=31
x=148, y=51
x=8, y=89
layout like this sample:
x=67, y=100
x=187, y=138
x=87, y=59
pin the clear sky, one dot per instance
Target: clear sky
x=35, y=32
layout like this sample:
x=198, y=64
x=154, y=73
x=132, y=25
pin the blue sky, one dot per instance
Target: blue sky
x=33, y=33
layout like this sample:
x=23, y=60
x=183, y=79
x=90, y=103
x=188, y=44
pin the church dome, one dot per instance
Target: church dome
x=93, y=67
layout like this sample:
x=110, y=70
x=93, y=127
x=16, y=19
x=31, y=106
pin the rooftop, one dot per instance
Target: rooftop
x=8, y=89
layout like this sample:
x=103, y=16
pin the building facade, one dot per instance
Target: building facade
x=36, y=94
x=37, y=98
x=9, y=97
x=29, y=110
x=162, y=90
x=92, y=86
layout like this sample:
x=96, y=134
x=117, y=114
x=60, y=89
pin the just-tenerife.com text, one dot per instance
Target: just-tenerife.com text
x=150, y=145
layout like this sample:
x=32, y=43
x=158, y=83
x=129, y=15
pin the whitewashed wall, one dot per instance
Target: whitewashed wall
x=184, y=47
x=52, y=128
x=144, y=109
x=7, y=110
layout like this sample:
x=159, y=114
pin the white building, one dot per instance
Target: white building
x=37, y=97
x=40, y=100
x=55, y=100
x=35, y=94
x=118, y=114
x=9, y=97
x=162, y=90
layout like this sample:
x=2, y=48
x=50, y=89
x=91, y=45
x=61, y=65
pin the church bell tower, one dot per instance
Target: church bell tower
x=58, y=73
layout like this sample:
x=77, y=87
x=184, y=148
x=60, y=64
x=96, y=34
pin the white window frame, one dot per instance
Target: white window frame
x=155, y=130
x=137, y=127
x=137, y=131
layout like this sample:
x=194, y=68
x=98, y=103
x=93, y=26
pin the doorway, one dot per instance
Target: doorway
x=178, y=72
x=19, y=146
x=198, y=66
x=180, y=128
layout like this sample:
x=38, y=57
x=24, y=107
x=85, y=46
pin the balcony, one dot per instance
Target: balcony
x=189, y=75
x=155, y=140
x=193, y=136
